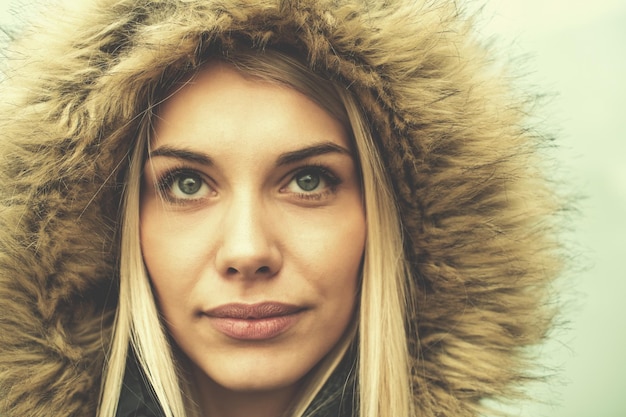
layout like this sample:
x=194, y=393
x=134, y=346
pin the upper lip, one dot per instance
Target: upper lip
x=252, y=311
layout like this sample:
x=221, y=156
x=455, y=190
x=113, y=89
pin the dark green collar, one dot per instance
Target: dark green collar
x=336, y=398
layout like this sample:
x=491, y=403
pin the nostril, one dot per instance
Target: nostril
x=263, y=270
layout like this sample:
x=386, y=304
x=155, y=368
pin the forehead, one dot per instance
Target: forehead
x=221, y=111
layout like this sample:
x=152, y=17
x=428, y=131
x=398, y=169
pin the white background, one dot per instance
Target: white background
x=577, y=51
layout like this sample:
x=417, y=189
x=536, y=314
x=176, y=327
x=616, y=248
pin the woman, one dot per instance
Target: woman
x=218, y=208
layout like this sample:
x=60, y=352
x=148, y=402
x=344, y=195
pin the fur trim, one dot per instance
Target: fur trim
x=475, y=207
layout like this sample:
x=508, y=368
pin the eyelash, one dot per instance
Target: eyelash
x=327, y=176
x=167, y=180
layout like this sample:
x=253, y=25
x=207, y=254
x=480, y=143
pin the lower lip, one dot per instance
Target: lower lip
x=254, y=329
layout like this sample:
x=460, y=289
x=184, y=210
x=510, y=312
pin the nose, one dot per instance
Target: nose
x=248, y=247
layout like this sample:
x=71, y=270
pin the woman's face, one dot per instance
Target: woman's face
x=252, y=229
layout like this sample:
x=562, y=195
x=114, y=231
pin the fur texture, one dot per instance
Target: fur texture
x=476, y=212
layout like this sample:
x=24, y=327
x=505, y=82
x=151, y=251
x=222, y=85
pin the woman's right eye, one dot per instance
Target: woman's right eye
x=184, y=185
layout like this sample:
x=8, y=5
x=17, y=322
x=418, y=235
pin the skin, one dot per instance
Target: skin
x=267, y=208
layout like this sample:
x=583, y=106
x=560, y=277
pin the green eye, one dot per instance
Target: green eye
x=189, y=183
x=308, y=181
x=183, y=185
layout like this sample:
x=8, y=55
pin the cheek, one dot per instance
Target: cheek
x=335, y=254
x=168, y=253
x=156, y=245
x=338, y=278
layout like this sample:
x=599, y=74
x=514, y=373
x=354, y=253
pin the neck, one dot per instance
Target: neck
x=217, y=401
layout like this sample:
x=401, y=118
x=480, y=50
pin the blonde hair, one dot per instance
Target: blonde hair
x=384, y=365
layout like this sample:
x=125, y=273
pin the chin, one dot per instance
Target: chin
x=250, y=383
x=254, y=374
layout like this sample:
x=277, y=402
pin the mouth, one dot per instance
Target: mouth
x=254, y=322
x=253, y=311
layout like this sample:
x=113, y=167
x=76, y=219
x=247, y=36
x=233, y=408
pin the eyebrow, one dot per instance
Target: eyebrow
x=283, y=159
x=184, y=154
x=308, y=152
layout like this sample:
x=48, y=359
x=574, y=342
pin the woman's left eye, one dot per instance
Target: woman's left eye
x=312, y=181
x=308, y=181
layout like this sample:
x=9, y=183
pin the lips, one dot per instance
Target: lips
x=253, y=311
x=254, y=321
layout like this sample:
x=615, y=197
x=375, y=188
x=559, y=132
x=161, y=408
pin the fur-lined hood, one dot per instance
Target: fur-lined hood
x=474, y=205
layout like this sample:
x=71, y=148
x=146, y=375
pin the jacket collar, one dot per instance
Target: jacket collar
x=336, y=398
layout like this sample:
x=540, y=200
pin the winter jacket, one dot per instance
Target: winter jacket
x=334, y=400
x=466, y=167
